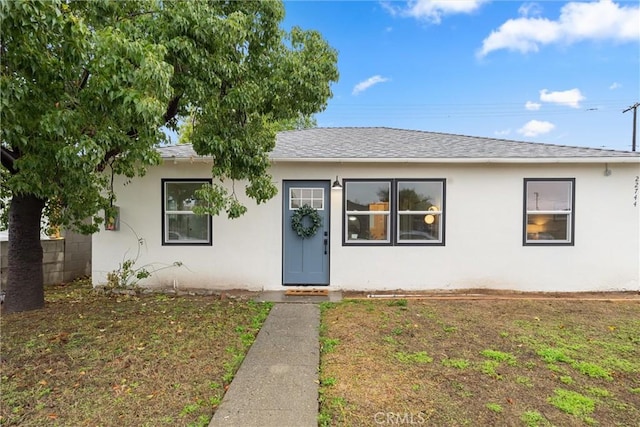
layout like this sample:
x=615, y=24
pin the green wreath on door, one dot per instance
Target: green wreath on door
x=297, y=221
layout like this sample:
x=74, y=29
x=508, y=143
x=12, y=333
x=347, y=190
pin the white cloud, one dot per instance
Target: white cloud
x=532, y=106
x=530, y=9
x=502, y=133
x=535, y=128
x=366, y=84
x=522, y=34
x=615, y=85
x=432, y=11
x=571, y=97
x=602, y=20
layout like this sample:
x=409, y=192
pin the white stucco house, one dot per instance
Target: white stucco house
x=414, y=211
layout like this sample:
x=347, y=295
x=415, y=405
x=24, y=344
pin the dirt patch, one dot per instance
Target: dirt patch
x=487, y=361
x=493, y=294
x=94, y=359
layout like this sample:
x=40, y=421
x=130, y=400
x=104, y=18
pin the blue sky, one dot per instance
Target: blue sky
x=546, y=71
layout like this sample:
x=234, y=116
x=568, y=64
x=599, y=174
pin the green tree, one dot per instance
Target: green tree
x=86, y=88
x=297, y=123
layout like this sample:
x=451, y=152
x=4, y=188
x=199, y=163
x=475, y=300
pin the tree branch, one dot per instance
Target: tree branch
x=172, y=108
x=8, y=159
x=114, y=152
x=84, y=80
x=107, y=158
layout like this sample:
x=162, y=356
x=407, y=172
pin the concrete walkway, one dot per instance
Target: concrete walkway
x=277, y=384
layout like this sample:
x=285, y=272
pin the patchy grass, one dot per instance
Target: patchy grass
x=456, y=363
x=88, y=359
x=499, y=356
x=533, y=419
x=494, y=407
x=417, y=357
x=572, y=402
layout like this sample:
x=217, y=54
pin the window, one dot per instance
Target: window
x=314, y=197
x=367, y=211
x=394, y=212
x=419, y=211
x=180, y=226
x=548, y=211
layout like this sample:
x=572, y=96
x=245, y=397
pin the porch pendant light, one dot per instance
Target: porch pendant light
x=336, y=184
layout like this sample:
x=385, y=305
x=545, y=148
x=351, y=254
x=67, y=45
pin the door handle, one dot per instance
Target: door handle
x=326, y=241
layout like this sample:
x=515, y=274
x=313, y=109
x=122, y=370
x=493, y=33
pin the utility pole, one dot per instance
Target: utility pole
x=634, y=107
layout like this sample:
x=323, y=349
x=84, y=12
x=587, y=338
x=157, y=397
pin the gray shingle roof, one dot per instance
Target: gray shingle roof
x=378, y=143
x=180, y=151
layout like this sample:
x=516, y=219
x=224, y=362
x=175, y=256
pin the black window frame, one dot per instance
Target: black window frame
x=394, y=214
x=164, y=241
x=572, y=214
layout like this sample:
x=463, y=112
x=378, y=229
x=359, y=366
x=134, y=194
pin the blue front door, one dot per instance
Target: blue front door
x=305, y=260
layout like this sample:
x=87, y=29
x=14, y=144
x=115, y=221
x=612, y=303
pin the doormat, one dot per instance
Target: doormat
x=306, y=292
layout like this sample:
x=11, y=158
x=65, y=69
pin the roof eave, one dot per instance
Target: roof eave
x=191, y=159
x=466, y=160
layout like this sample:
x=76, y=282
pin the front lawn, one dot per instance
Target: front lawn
x=471, y=363
x=91, y=359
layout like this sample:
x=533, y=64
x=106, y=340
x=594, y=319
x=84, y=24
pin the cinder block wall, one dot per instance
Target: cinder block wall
x=77, y=255
x=63, y=260
x=53, y=261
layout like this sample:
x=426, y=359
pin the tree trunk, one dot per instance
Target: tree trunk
x=25, y=288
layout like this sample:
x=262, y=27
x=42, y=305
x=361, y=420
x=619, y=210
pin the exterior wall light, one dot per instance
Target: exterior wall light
x=336, y=184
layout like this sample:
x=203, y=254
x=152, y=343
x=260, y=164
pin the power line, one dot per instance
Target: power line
x=634, y=107
x=469, y=110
